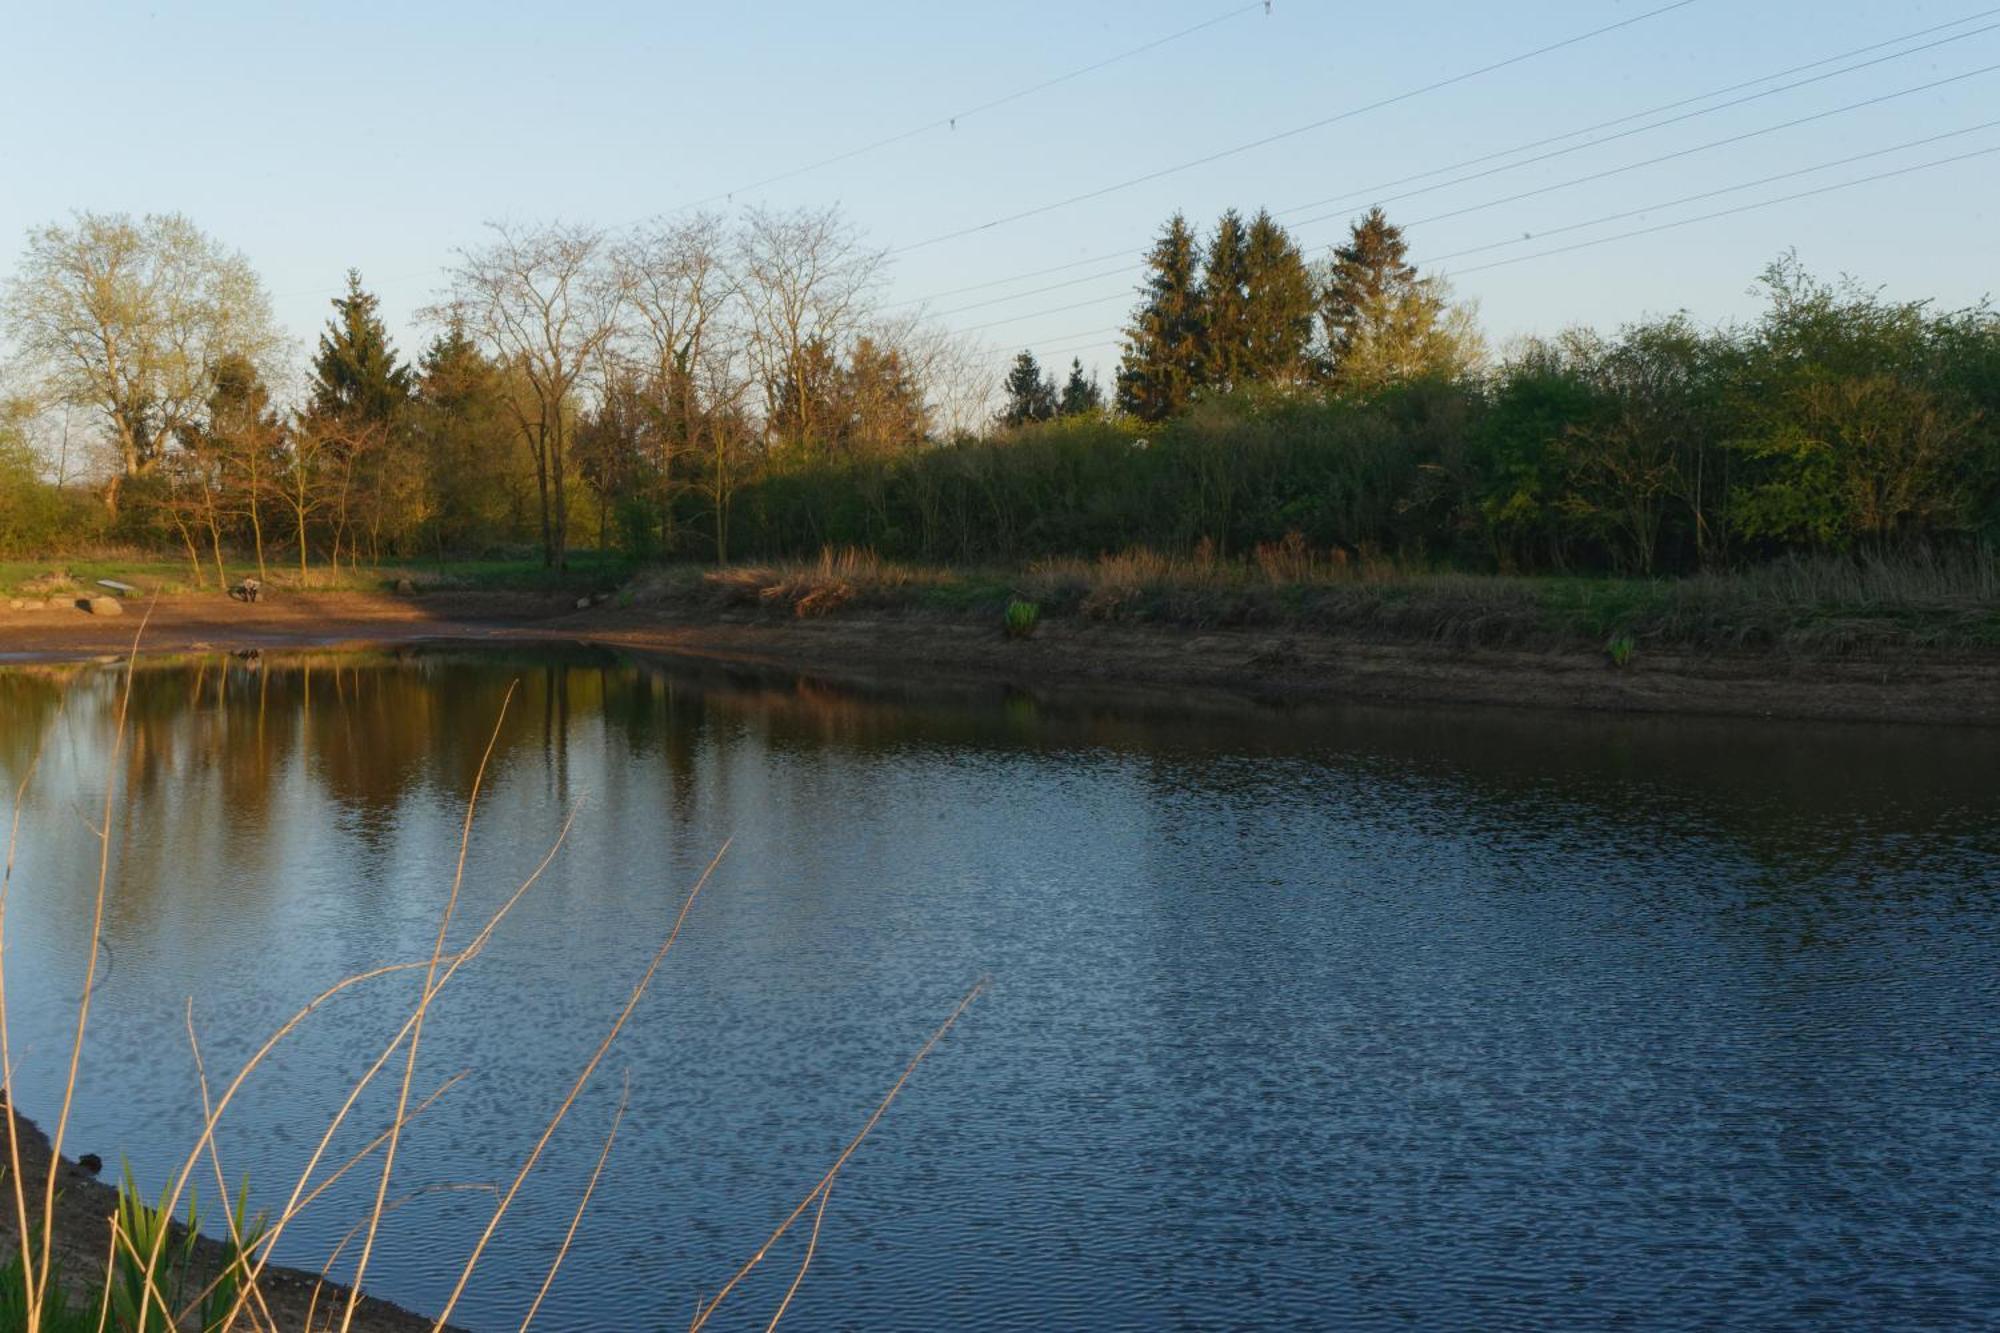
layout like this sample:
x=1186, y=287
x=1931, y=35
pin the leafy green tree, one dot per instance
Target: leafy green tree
x=461, y=431
x=1857, y=430
x=1225, y=306
x=1384, y=323
x=1162, y=365
x=127, y=318
x=31, y=510
x=356, y=373
x=1030, y=394
x=1278, y=306
x=1081, y=394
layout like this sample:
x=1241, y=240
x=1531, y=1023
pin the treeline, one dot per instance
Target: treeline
x=717, y=390
x=1837, y=421
x=583, y=387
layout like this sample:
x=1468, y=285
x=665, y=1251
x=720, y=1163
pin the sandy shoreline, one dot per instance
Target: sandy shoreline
x=1271, y=665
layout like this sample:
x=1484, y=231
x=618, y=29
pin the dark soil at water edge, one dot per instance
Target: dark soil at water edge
x=1950, y=685
x=84, y=1206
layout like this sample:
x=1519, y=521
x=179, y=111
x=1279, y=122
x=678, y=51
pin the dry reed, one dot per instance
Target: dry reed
x=252, y=1255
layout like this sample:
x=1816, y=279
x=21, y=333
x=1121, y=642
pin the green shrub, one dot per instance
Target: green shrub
x=1022, y=617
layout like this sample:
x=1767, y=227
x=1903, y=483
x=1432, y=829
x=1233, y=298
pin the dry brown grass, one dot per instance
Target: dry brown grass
x=840, y=577
x=1809, y=607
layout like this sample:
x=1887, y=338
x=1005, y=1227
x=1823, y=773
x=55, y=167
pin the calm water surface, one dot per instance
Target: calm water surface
x=1357, y=1020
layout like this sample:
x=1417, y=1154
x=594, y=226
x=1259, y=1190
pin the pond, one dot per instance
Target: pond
x=1343, y=1019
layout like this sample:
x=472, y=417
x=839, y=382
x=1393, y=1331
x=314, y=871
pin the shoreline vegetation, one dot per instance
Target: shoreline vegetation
x=1909, y=639
x=1309, y=477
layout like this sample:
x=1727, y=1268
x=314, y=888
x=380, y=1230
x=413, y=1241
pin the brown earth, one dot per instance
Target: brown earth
x=81, y=1237
x=1160, y=661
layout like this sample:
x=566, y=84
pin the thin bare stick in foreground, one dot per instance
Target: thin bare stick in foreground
x=576, y=1218
x=423, y=1007
x=6, y=1049
x=576, y=1090
x=38, y=1282
x=812, y=1248
x=236, y=1251
x=301, y=1197
x=826, y=1181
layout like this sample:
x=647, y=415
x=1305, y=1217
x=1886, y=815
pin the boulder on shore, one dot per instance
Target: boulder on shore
x=104, y=606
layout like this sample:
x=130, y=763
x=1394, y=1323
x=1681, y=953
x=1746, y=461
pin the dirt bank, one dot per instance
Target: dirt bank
x=81, y=1235
x=1275, y=665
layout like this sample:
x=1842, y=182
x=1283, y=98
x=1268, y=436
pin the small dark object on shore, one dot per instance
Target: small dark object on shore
x=247, y=654
x=249, y=590
x=90, y=1163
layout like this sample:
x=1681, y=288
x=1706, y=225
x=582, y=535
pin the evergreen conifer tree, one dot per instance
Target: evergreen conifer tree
x=1278, y=305
x=1030, y=394
x=1383, y=322
x=1225, y=298
x=357, y=374
x=1161, y=368
x=1080, y=396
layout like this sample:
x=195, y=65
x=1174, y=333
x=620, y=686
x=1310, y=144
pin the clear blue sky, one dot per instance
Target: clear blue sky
x=381, y=135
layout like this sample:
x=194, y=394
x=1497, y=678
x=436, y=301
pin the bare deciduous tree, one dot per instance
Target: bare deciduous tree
x=682, y=297
x=545, y=300
x=807, y=280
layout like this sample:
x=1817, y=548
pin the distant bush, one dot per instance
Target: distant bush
x=1021, y=618
x=35, y=516
x=1839, y=422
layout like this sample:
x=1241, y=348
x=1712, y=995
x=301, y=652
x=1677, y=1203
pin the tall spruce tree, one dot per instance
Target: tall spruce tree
x=1383, y=322
x=1225, y=299
x=1367, y=274
x=1030, y=394
x=357, y=374
x=1278, y=305
x=1162, y=365
x=459, y=425
x=1081, y=396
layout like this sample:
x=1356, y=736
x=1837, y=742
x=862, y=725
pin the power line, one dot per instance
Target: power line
x=1124, y=265
x=1508, y=199
x=1369, y=195
x=1672, y=106
x=1293, y=132
x=1641, y=129
x=1731, y=212
x=1698, y=148
x=951, y=121
x=944, y=122
x=1670, y=203
x=1711, y=194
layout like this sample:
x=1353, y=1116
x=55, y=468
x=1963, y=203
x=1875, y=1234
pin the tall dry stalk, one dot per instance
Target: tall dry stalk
x=6, y=1047
x=439, y=969
x=38, y=1281
x=582, y=1205
x=707, y=1312
x=423, y=1007
x=576, y=1089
